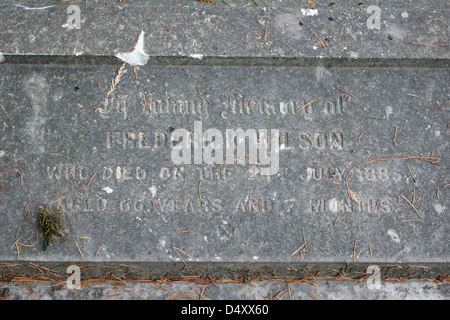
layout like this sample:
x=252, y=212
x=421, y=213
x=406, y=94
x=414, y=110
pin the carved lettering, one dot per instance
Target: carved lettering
x=121, y=173
x=321, y=141
x=136, y=140
x=349, y=206
x=242, y=105
x=169, y=106
x=68, y=172
x=221, y=173
x=336, y=107
x=175, y=173
x=189, y=205
x=113, y=105
x=254, y=205
x=364, y=174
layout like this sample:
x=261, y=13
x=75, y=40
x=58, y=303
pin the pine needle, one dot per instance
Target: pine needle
x=59, y=155
x=5, y=112
x=352, y=195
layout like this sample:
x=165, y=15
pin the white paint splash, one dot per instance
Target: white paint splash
x=137, y=56
x=310, y=12
x=36, y=8
x=389, y=111
x=196, y=56
x=439, y=208
x=107, y=189
x=394, y=236
x=153, y=190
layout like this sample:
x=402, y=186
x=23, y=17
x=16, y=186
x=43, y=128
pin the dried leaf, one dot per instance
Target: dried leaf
x=352, y=195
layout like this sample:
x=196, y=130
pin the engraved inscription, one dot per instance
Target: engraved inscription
x=215, y=173
x=322, y=141
x=130, y=140
x=169, y=106
x=114, y=105
x=174, y=173
x=338, y=174
x=347, y=205
x=143, y=205
x=242, y=105
x=136, y=140
x=336, y=107
x=68, y=172
x=187, y=204
x=251, y=204
x=124, y=173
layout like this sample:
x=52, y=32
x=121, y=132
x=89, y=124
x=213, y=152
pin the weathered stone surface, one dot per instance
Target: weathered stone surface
x=139, y=202
x=220, y=31
x=106, y=158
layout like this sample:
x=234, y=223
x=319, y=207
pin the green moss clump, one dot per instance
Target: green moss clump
x=51, y=223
